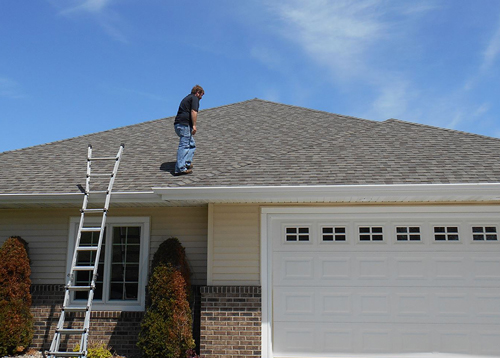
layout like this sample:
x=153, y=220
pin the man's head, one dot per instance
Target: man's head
x=198, y=91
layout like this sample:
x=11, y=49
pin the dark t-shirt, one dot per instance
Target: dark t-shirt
x=190, y=102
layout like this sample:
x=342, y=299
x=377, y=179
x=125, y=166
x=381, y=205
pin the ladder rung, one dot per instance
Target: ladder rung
x=76, y=309
x=71, y=330
x=83, y=268
x=91, y=229
x=101, y=175
x=87, y=248
x=93, y=210
x=79, y=288
x=66, y=354
x=97, y=192
x=103, y=158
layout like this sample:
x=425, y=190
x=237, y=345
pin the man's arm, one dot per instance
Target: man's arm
x=194, y=116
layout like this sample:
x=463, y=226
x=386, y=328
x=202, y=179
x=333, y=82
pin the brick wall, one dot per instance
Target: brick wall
x=117, y=329
x=230, y=321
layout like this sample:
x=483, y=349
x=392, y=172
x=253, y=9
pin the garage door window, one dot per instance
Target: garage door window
x=371, y=233
x=446, y=233
x=334, y=234
x=484, y=233
x=297, y=234
x=408, y=233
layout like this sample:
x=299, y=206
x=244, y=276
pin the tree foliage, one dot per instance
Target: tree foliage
x=166, y=330
x=16, y=320
x=172, y=252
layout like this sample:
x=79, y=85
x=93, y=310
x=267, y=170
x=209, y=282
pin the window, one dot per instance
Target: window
x=484, y=233
x=123, y=263
x=446, y=233
x=337, y=234
x=408, y=233
x=297, y=234
x=371, y=233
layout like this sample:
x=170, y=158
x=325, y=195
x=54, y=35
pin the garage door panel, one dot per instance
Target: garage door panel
x=353, y=340
x=394, y=304
x=375, y=269
x=486, y=268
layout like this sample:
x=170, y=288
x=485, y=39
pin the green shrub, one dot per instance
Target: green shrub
x=96, y=350
x=16, y=320
x=172, y=252
x=166, y=327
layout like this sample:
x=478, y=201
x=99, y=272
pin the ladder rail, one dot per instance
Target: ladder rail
x=94, y=251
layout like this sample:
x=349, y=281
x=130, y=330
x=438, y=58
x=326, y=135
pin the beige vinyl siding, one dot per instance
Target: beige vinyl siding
x=235, y=246
x=189, y=225
x=47, y=231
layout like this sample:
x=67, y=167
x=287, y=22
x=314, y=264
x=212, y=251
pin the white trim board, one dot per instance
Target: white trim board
x=335, y=193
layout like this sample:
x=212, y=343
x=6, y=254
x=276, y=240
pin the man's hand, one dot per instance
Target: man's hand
x=194, y=117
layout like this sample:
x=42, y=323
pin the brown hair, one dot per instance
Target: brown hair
x=197, y=89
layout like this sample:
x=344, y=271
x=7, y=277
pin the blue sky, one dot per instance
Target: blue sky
x=73, y=67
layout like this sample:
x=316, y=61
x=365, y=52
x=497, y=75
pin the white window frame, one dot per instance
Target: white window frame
x=116, y=305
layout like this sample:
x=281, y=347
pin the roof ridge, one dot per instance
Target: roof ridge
x=315, y=110
x=429, y=126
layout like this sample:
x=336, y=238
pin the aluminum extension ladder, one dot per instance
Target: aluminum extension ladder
x=67, y=326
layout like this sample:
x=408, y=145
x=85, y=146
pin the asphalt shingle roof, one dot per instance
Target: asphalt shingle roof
x=262, y=143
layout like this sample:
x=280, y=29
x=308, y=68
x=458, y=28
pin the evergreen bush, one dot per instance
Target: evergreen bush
x=166, y=327
x=16, y=320
x=172, y=252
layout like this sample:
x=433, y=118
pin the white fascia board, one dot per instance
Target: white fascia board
x=336, y=193
x=76, y=198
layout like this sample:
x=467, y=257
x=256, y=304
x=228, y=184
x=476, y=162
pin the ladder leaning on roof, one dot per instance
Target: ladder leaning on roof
x=67, y=325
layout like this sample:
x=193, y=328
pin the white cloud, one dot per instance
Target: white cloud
x=492, y=50
x=392, y=101
x=92, y=6
x=345, y=36
x=335, y=34
x=99, y=10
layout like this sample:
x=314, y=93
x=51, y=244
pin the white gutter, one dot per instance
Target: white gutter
x=76, y=198
x=335, y=193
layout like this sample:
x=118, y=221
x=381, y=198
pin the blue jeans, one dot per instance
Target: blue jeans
x=186, y=149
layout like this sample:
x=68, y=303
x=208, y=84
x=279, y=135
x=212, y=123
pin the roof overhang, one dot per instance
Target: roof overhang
x=75, y=199
x=192, y=196
x=398, y=193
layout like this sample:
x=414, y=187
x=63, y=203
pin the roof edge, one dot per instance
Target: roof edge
x=75, y=198
x=336, y=193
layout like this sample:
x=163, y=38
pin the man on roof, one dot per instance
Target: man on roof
x=185, y=127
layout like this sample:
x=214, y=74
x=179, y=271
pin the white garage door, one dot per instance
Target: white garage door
x=379, y=283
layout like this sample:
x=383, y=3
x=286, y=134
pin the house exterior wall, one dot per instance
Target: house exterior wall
x=47, y=230
x=234, y=245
